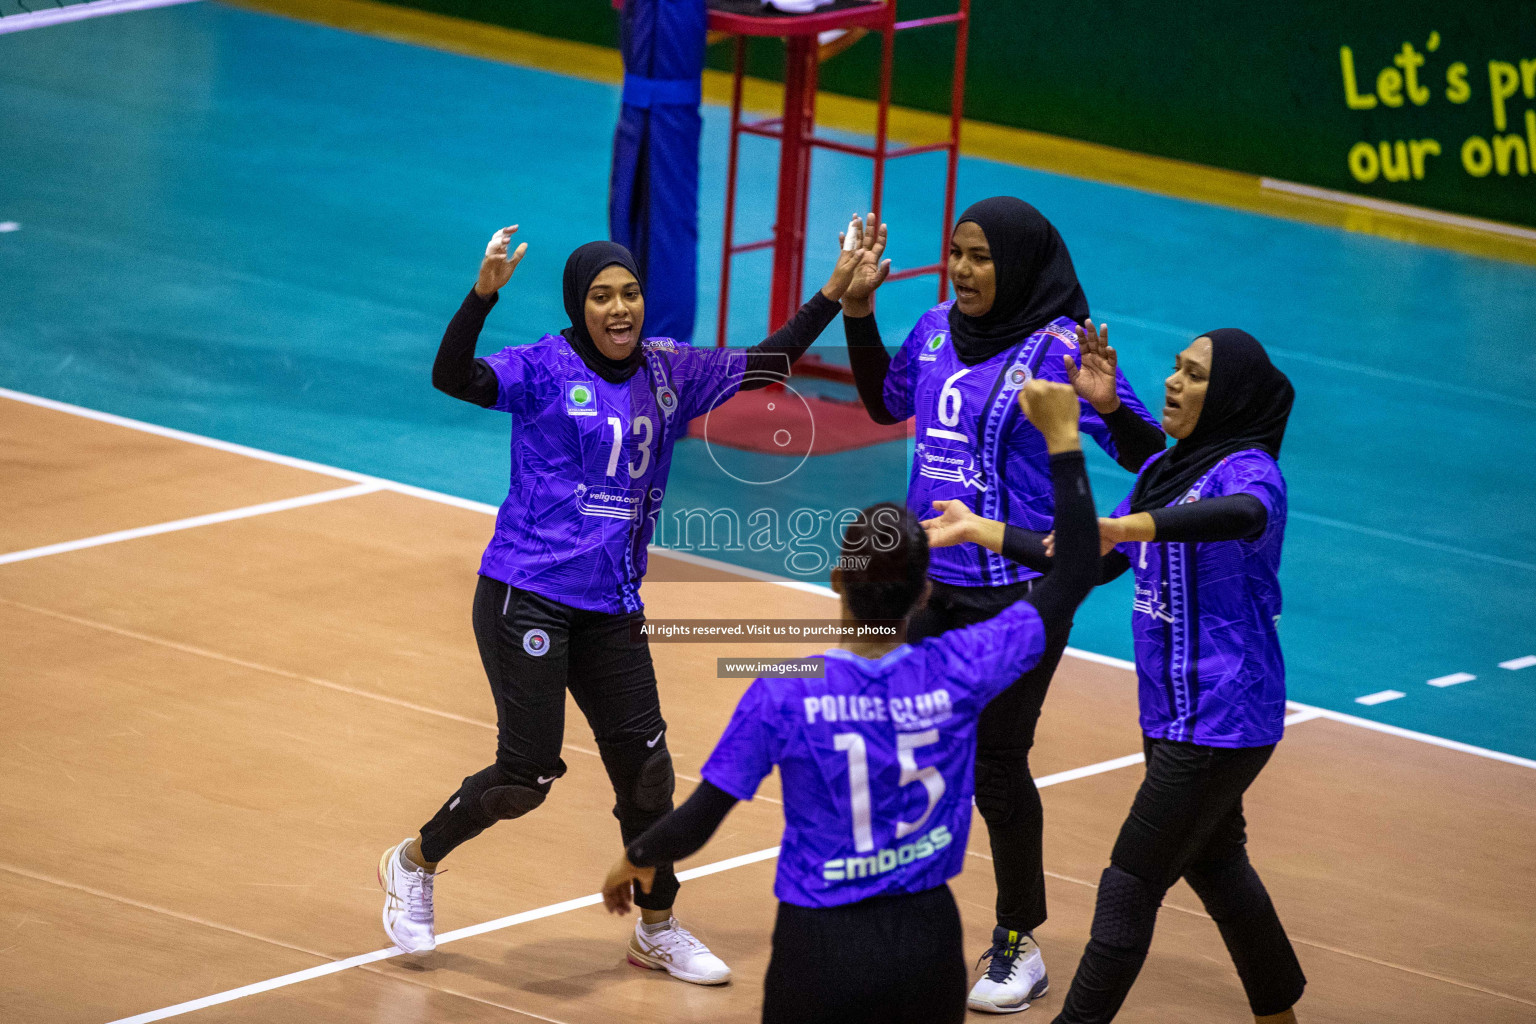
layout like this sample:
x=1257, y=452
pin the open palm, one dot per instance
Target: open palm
x=871, y=270
x=1093, y=375
x=951, y=527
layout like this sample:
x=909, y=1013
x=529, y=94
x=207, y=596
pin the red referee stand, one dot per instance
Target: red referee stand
x=795, y=129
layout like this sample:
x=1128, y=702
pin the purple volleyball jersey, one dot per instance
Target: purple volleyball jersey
x=1208, y=662
x=877, y=759
x=975, y=444
x=589, y=464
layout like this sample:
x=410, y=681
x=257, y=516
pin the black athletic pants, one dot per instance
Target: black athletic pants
x=534, y=649
x=1005, y=790
x=1186, y=821
x=886, y=960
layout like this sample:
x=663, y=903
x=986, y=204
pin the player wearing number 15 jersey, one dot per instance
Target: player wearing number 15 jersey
x=595, y=414
x=876, y=759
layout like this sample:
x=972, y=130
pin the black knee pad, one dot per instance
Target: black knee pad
x=500, y=793
x=512, y=801
x=1126, y=911
x=655, y=783
x=1000, y=785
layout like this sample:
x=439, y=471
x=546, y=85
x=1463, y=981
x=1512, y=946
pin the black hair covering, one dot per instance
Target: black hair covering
x=1036, y=282
x=1247, y=404
x=891, y=547
x=581, y=269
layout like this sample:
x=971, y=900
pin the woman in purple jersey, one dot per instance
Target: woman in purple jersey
x=1018, y=304
x=876, y=756
x=595, y=413
x=1202, y=530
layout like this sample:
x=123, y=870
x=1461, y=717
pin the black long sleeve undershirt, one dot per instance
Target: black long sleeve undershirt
x=765, y=360
x=1229, y=517
x=870, y=363
x=1238, y=516
x=1077, y=544
x=684, y=831
x=1135, y=439
x=457, y=373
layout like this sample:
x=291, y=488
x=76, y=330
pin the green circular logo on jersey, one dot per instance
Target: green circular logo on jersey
x=580, y=394
x=935, y=343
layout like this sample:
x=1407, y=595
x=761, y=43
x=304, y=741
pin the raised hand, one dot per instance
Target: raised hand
x=870, y=271
x=1094, y=379
x=850, y=253
x=1054, y=411
x=496, y=269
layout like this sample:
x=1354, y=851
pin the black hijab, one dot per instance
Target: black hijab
x=1035, y=280
x=1247, y=404
x=581, y=269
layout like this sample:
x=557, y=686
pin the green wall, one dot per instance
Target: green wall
x=1442, y=114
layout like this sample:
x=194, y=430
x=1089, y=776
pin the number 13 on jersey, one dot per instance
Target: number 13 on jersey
x=641, y=426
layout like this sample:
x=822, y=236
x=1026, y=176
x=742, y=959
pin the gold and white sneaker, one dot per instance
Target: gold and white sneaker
x=674, y=949
x=408, y=917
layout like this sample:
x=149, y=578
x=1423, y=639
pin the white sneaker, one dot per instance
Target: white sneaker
x=675, y=950
x=407, y=903
x=1015, y=976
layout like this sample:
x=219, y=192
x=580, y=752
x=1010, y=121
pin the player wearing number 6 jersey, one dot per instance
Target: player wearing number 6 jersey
x=595, y=414
x=876, y=759
x=1014, y=319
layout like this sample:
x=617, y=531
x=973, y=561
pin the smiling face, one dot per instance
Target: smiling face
x=971, y=269
x=1184, y=390
x=615, y=312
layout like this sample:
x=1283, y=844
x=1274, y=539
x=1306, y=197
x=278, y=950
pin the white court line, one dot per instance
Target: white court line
x=335, y=967
x=1380, y=697
x=511, y=920
x=1515, y=664
x=79, y=12
x=1302, y=713
x=1452, y=679
x=1072, y=774
x=191, y=522
x=1418, y=737
x=812, y=588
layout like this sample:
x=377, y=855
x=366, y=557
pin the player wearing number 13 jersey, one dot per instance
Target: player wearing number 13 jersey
x=1014, y=318
x=876, y=758
x=595, y=414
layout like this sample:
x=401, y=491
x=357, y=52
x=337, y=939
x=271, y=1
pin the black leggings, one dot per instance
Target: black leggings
x=534, y=649
x=1186, y=821
x=1005, y=790
x=886, y=960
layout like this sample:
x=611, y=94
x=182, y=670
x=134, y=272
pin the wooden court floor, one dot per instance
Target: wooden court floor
x=210, y=733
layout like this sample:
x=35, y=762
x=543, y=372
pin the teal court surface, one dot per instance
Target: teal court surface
x=255, y=229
